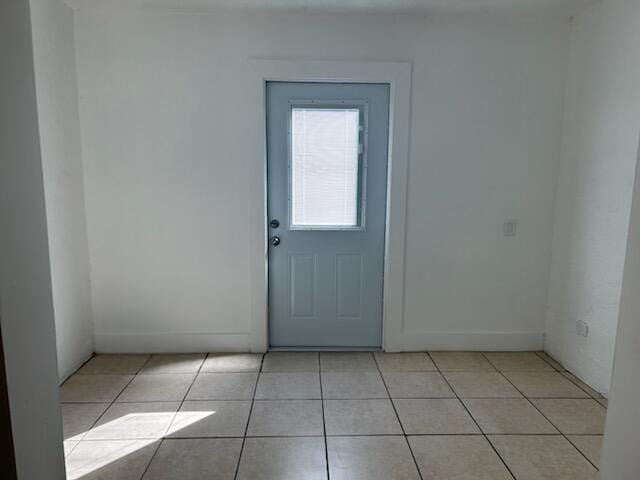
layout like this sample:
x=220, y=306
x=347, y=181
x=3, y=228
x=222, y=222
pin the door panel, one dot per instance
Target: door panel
x=303, y=285
x=327, y=170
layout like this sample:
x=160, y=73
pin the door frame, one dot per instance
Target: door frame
x=398, y=76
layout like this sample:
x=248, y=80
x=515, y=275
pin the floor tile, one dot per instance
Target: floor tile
x=211, y=418
x=110, y=460
x=404, y=362
x=461, y=361
x=346, y=361
x=543, y=457
x=114, y=364
x=291, y=362
x=69, y=445
x=285, y=424
x=545, y=385
x=582, y=385
x=589, y=445
x=223, y=386
x=551, y=361
x=285, y=386
x=195, y=459
x=574, y=416
x=353, y=385
x=517, y=361
x=361, y=417
x=127, y=421
x=283, y=459
x=286, y=418
x=508, y=415
x=433, y=416
x=157, y=388
x=459, y=457
x=78, y=418
x=181, y=363
x=370, y=458
x=481, y=385
x=93, y=388
x=417, y=385
x=232, y=362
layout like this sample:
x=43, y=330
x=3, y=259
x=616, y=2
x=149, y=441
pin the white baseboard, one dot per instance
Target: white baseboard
x=75, y=367
x=213, y=342
x=416, y=341
x=170, y=342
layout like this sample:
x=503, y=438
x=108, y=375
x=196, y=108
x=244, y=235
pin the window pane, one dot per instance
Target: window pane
x=324, y=167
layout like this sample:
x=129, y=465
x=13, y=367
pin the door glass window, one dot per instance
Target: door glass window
x=325, y=168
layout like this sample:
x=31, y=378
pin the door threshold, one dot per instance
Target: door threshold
x=325, y=349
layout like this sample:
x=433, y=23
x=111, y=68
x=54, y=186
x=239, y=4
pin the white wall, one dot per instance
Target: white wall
x=170, y=130
x=620, y=458
x=57, y=96
x=26, y=309
x=601, y=127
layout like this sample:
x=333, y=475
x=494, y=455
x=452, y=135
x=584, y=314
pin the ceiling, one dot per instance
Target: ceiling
x=350, y=6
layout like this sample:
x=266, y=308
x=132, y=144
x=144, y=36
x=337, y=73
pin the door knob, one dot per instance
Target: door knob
x=275, y=223
x=275, y=241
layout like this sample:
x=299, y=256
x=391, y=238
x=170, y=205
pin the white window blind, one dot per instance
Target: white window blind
x=324, y=167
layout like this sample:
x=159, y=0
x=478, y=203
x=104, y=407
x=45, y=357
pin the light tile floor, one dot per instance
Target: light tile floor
x=286, y=415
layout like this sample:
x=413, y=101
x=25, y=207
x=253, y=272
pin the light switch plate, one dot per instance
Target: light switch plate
x=582, y=328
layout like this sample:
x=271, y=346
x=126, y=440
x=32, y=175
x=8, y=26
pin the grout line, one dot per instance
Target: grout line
x=195, y=400
x=554, y=370
x=324, y=426
x=109, y=404
x=575, y=381
x=66, y=454
x=184, y=399
x=393, y=405
x=324, y=435
x=541, y=354
x=246, y=428
x=548, y=420
x=162, y=440
x=474, y=420
x=113, y=402
x=579, y=450
x=341, y=435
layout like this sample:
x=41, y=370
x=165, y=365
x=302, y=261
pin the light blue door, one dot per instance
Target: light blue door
x=327, y=174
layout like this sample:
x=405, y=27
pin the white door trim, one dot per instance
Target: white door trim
x=398, y=76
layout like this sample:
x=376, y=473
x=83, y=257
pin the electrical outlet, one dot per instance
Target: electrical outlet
x=510, y=227
x=582, y=328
